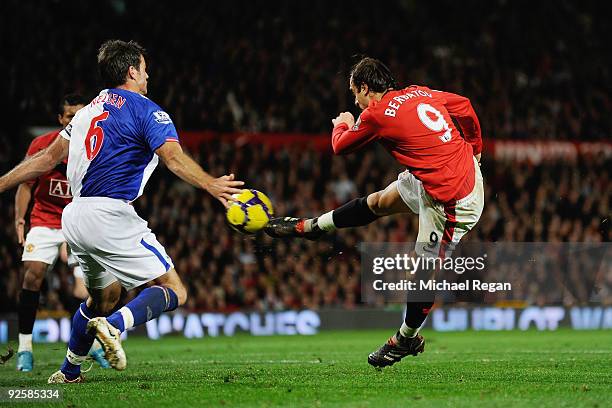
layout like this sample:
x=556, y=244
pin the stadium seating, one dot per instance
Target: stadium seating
x=525, y=82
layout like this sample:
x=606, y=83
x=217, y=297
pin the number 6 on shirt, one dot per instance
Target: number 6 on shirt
x=95, y=136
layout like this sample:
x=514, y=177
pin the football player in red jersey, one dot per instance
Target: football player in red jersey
x=45, y=242
x=437, y=136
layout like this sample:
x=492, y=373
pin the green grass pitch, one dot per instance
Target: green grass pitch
x=495, y=369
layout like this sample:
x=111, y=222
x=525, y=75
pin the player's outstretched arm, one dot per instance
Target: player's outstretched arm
x=187, y=169
x=40, y=163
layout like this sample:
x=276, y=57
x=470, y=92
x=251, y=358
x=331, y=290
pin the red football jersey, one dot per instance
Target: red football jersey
x=52, y=191
x=416, y=126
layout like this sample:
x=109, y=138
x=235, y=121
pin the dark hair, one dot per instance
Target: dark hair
x=115, y=58
x=71, y=99
x=373, y=73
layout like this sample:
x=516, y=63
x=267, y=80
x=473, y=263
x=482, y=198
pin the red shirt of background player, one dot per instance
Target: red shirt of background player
x=52, y=191
x=422, y=138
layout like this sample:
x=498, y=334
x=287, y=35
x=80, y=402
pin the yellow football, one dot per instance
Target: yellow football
x=250, y=212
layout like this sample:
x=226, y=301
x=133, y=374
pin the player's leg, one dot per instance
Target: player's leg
x=80, y=293
x=358, y=212
x=89, y=324
x=166, y=295
x=407, y=340
x=40, y=251
x=105, y=293
x=123, y=247
x=81, y=228
x=134, y=264
x=26, y=310
x=440, y=228
x=79, y=290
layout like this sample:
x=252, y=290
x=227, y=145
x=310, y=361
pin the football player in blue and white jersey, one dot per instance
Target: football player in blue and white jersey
x=113, y=145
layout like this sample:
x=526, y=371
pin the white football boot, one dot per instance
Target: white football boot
x=110, y=338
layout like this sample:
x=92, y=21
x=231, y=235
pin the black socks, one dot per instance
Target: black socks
x=355, y=213
x=28, y=304
x=416, y=313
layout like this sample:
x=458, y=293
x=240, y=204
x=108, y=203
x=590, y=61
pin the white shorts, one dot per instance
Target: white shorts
x=112, y=243
x=43, y=245
x=441, y=226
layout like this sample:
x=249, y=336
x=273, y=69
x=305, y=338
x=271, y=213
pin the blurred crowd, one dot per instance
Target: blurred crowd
x=532, y=70
x=557, y=201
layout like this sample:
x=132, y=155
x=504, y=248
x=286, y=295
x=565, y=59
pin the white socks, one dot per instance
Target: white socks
x=408, y=331
x=326, y=222
x=128, y=317
x=25, y=342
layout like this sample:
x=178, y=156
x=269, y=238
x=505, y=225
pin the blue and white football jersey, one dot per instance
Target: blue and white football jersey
x=113, y=142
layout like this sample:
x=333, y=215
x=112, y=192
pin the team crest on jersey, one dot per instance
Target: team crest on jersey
x=356, y=125
x=162, y=117
x=29, y=248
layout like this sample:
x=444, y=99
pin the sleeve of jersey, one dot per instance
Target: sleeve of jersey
x=33, y=148
x=158, y=128
x=345, y=140
x=460, y=109
x=67, y=131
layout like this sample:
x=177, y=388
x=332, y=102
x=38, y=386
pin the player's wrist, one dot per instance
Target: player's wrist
x=207, y=184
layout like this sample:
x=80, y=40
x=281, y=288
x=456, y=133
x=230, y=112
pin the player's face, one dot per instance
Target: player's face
x=141, y=76
x=361, y=99
x=69, y=112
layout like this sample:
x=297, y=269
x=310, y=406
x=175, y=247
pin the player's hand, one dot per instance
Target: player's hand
x=20, y=230
x=223, y=187
x=344, y=117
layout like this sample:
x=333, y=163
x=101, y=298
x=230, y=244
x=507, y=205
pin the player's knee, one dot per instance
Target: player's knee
x=179, y=290
x=385, y=203
x=181, y=294
x=377, y=204
x=34, y=275
x=373, y=200
x=32, y=281
x=171, y=280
